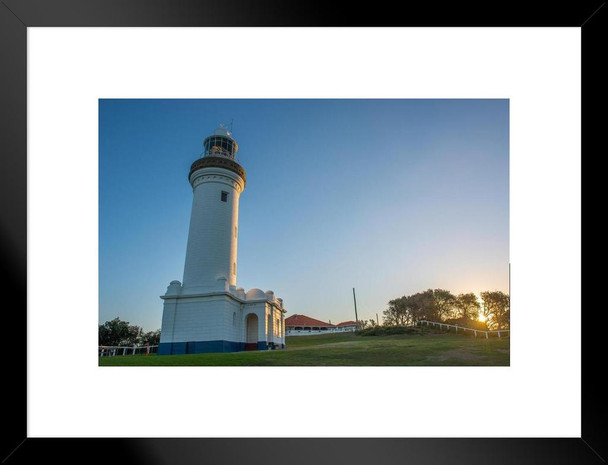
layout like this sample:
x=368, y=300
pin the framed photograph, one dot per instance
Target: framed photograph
x=71, y=65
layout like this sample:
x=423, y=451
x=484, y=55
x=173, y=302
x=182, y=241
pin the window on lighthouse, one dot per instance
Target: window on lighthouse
x=224, y=196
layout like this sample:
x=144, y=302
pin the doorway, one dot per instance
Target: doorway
x=252, y=332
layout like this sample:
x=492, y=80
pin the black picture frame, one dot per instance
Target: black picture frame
x=16, y=16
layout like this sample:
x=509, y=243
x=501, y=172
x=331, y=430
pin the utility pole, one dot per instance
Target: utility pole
x=355, y=299
x=377, y=322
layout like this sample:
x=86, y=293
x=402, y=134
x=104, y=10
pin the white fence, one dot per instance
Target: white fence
x=112, y=351
x=310, y=332
x=504, y=332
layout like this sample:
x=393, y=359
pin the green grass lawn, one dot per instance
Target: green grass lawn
x=427, y=349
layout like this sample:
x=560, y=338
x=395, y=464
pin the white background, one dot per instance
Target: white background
x=69, y=69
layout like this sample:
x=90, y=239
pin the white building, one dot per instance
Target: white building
x=208, y=312
x=302, y=325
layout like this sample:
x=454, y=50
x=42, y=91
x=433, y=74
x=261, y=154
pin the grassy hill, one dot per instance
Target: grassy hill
x=429, y=348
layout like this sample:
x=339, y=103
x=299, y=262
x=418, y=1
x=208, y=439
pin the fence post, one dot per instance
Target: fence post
x=475, y=333
x=499, y=334
x=124, y=351
x=486, y=335
x=134, y=349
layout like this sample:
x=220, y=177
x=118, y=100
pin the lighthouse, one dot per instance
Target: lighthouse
x=207, y=311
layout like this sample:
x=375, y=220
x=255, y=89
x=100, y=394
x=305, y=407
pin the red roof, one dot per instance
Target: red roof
x=303, y=320
x=347, y=323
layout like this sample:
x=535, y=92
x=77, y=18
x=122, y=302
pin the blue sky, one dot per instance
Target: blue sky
x=390, y=197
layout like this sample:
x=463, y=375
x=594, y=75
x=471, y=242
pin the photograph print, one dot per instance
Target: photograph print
x=304, y=232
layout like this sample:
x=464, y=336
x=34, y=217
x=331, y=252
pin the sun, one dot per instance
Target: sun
x=481, y=317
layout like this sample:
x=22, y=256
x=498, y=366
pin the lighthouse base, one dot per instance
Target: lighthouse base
x=199, y=347
x=219, y=322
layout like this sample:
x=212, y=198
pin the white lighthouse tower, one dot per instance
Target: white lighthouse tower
x=208, y=312
x=217, y=180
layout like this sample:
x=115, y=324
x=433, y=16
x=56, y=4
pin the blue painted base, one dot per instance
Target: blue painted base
x=201, y=347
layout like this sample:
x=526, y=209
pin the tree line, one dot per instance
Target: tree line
x=120, y=333
x=442, y=306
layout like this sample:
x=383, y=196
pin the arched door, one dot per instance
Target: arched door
x=252, y=332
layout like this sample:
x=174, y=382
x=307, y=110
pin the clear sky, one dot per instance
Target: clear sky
x=390, y=197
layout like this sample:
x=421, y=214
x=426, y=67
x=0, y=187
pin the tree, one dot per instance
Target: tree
x=118, y=333
x=371, y=322
x=422, y=306
x=152, y=338
x=397, y=312
x=496, y=309
x=442, y=306
x=443, y=303
x=407, y=310
x=467, y=307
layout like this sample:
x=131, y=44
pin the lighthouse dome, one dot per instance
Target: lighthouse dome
x=255, y=294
